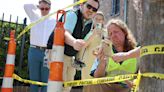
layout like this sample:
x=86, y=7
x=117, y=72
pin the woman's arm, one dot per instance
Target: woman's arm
x=101, y=69
x=121, y=56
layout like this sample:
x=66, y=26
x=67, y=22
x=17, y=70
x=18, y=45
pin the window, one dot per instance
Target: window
x=115, y=7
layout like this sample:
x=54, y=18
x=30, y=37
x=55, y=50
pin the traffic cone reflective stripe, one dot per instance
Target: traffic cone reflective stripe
x=58, y=54
x=10, y=59
x=8, y=83
x=55, y=86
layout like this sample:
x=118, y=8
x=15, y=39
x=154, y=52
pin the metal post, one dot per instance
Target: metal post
x=1, y=35
x=22, y=46
x=16, y=25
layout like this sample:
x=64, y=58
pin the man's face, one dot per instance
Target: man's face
x=44, y=8
x=89, y=9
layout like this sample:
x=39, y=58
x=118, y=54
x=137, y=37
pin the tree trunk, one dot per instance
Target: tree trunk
x=152, y=33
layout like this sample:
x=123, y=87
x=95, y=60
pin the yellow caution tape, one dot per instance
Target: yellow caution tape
x=119, y=78
x=137, y=81
x=134, y=85
x=154, y=75
x=45, y=17
x=28, y=81
x=152, y=49
x=6, y=38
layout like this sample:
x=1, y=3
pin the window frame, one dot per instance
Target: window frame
x=115, y=7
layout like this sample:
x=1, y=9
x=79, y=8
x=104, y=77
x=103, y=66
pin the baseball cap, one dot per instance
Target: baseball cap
x=47, y=1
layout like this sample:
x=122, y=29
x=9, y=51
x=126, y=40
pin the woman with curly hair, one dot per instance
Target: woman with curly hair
x=122, y=41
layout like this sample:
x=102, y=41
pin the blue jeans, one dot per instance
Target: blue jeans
x=37, y=71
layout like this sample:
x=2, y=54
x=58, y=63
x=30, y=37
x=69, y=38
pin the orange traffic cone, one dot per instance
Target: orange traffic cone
x=55, y=82
x=7, y=84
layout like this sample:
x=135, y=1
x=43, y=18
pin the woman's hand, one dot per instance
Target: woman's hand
x=129, y=83
x=119, y=57
x=101, y=56
x=101, y=69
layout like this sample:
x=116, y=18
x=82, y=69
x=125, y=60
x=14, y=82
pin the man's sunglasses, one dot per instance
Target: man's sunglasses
x=46, y=9
x=91, y=7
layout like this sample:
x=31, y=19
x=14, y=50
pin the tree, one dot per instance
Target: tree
x=152, y=34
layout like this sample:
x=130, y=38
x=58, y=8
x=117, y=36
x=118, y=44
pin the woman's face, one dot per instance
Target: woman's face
x=116, y=35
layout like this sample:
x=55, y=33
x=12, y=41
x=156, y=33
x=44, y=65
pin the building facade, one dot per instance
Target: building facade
x=129, y=11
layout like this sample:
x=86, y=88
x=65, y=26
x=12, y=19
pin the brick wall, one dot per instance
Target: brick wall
x=106, y=8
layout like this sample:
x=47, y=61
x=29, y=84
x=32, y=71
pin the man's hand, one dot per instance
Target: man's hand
x=47, y=58
x=78, y=44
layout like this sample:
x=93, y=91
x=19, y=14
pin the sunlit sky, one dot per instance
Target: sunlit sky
x=15, y=7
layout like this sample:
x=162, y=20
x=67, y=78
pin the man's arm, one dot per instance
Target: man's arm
x=77, y=44
x=70, y=22
x=31, y=11
x=71, y=19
